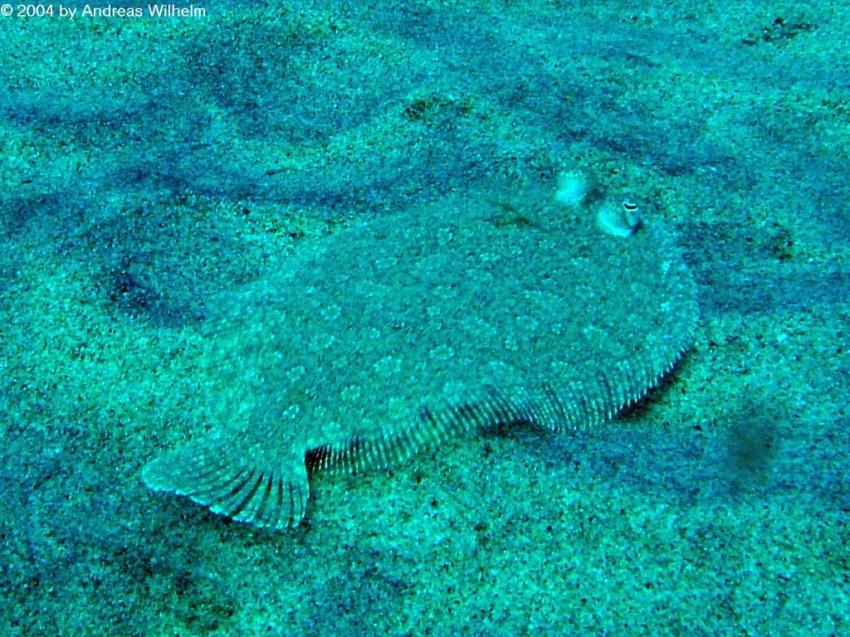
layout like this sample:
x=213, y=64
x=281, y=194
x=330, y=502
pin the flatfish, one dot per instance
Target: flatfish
x=398, y=332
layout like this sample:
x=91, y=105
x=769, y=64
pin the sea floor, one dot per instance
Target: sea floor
x=148, y=162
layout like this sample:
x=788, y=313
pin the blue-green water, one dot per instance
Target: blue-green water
x=150, y=164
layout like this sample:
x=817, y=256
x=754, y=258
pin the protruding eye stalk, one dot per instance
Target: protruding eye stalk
x=619, y=220
x=576, y=189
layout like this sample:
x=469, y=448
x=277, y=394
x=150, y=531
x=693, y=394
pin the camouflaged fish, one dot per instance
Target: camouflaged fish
x=396, y=333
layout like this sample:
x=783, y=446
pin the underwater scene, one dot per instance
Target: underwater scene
x=431, y=317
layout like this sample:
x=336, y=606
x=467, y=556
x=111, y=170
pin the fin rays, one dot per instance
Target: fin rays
x=276, y=499
x=264, y=498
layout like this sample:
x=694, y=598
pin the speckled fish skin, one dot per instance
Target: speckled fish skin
x=396, y=333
